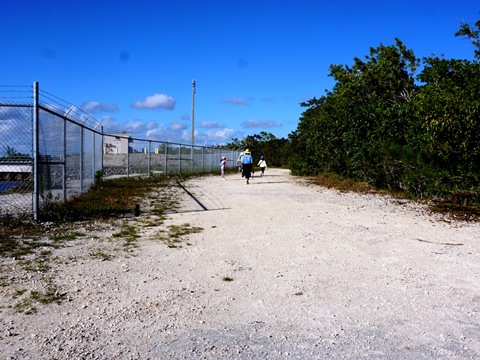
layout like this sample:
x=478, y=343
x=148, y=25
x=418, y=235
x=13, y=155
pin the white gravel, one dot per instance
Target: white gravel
x=315, y=274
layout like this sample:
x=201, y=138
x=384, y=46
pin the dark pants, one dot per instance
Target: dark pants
x=247, y=170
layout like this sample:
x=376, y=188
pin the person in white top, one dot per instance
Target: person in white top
x=262, y=164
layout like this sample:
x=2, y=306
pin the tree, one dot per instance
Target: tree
x=385, y=125
x=235, y=144
x=9, y=151
x=358, y=129
x=263, y=144
x=448, y=110
x=471, y=34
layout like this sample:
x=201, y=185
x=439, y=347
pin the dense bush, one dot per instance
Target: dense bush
x=386, y=125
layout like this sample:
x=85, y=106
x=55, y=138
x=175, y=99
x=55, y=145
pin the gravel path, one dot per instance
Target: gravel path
x=281, y=270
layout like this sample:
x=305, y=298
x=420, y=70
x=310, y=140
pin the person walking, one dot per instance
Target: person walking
x=223, y=166
x=247, y=163
x=262, y=164
x=239, y=162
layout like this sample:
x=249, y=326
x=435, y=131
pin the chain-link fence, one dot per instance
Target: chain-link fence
x=69, y=155
x=150, y=157
x=16, y=155
x=51, y=151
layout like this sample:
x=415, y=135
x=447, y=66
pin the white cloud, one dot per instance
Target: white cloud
x=173, y=132
x=94, y=107
x=177, y=126
x=15, y=125
x=139, y=127
x=110, y=124
x=236, y=101
x=134, y=125
x=158, y=133
x=181, y=133
x=157, y=101
x=213, y=137
x=252, y=123
x=211, y=124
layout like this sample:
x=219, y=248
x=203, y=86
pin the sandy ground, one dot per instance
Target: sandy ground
x=281, y=270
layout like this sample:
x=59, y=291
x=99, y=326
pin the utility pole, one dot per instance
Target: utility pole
x=193, y=112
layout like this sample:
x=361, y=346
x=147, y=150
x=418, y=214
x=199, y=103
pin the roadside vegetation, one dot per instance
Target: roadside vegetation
x=388, y=126
x=105, y=201
x=395, y=123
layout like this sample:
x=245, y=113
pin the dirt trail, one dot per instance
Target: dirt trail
x=281, y=269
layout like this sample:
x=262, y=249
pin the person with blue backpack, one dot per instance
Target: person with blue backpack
x=247, y=164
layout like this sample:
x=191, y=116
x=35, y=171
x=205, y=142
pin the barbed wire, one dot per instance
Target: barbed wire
x=11, y=93
x=70, y=110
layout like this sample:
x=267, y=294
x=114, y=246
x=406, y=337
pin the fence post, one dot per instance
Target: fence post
x=64, y=165
x=36, y=175
x=192, y=166
x=128, y=161
x=180, y=158
x=94, y=153
x=103, y=147
x=148, y=158
x=81, y=158
x=210, y=162
x=166, y=158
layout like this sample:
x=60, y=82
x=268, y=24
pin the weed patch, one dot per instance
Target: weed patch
x=175, y=232
x=27, y=304
x=129, y=235
x=101, y=255
x=51, y=295
x=106, y=199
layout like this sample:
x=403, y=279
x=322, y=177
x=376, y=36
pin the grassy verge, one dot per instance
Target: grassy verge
x=447, y=208
x=123, y=206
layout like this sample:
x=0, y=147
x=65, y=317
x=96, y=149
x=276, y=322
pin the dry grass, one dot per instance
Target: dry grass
x=450, y=209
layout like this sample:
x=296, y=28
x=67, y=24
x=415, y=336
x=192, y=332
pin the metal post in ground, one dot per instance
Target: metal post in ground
x=92, y=180
x=82, y=149
x=36, y=175
x=148, y=158
x=192, y=167
x=180, y=158
x=103, y=146
x=128, y=160
x=64, y=165
x=166, y=158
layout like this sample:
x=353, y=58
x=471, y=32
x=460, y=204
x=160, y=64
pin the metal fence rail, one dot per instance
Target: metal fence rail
x=51, y=151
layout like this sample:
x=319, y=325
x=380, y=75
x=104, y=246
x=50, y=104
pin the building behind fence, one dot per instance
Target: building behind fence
x=51, y=151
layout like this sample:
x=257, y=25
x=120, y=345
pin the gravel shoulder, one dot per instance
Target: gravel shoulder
x=281, y=269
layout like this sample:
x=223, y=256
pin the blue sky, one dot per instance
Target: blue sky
x=131, y=63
